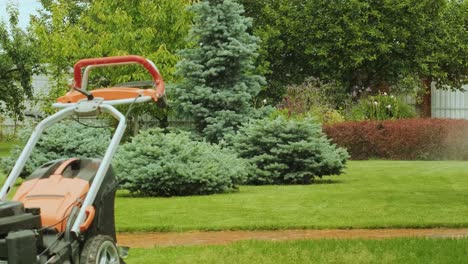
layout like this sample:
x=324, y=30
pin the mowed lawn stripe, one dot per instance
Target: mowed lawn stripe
x=371, y=194
x=412, y=251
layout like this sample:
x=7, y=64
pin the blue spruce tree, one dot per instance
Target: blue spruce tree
x=218, y=84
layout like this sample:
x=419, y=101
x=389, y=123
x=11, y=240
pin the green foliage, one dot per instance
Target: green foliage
x=444, y=58
x=218, y=85
x=282, y=60
x=381, y=107
x=361, y=43
x=326, y=116
x=63, y=140
x=288, y=151
x=18, y=63
x=314, y=97
x=158, y=164
x=71, y=30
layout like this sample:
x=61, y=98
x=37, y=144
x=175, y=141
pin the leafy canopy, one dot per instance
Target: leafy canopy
x=18, y=63
x=361, y=43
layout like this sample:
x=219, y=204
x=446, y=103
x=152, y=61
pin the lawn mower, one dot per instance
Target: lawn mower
x=64, y=211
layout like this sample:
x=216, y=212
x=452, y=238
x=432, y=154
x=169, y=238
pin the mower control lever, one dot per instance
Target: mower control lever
x=88, y=95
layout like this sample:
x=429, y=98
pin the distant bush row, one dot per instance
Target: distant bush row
x=408, y=139
x=275, y=150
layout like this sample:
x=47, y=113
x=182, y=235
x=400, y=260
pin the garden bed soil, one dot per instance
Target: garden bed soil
x=158, y=239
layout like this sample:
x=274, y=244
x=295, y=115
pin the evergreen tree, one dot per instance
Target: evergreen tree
x=218, y=84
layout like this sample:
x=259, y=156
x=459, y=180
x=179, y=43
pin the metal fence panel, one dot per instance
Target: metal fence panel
x=450, y=104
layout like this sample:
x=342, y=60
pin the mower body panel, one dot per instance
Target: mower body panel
x=43, y=205
x=54, y=195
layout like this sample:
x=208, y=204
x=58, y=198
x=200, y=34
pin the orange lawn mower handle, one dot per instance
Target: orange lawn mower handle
x=111, y=95
x=119, y=60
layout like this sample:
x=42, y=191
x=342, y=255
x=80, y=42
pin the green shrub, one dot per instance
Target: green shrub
x=408, y=139
x=158, y=164
x=381, y=107
x=63, y=140
x=287, y=151
x=314, y=97
x=300, y=98
x=326, y=116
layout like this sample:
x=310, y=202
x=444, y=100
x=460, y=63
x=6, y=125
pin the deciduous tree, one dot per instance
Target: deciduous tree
x=361, y=43
x=72, y=30
x=18, y=63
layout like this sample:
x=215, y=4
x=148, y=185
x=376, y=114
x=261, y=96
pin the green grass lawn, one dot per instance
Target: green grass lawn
x=372, y=194
x=413, y=251
x=5, y=148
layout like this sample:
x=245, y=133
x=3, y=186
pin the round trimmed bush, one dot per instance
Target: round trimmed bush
x=63, y=140
x=172, y=164
x=287, y=151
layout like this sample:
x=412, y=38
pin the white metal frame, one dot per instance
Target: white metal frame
x=68, y=110
x=104, y=167
x=141, y=99
x=19, y=165
x=102, y=170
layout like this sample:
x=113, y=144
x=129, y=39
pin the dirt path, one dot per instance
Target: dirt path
x=148, y=240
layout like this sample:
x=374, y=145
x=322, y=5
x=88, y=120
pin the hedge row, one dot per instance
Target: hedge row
x=407, y=139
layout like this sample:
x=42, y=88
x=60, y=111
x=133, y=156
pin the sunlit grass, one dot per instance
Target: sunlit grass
x=412, y=251
x=372, y=194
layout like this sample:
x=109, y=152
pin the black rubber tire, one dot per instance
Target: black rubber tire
x=92, y=248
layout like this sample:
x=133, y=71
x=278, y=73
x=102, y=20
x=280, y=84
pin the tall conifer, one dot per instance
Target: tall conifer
x=218, y=84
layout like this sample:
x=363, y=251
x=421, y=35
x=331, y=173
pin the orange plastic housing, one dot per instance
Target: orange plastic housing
x=109, y=94
x=55, y=196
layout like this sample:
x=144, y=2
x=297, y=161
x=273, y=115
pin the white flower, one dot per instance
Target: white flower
x=376, y=103
x=385, y=94
x=264, y=101
x=391, y=96
x=389, y=107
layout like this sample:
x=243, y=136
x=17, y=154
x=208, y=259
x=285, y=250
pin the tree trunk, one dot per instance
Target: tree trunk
x=135, y=125
x=426, y=104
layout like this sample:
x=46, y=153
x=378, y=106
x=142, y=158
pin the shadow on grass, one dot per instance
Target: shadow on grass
x=126, y=194
x=311, y=183
x=122, y=193
x=327, y=181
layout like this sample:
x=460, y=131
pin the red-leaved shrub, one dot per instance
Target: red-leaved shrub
x=406, y=139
